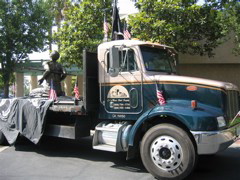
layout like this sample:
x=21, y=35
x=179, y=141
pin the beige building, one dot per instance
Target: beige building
x=224, y=66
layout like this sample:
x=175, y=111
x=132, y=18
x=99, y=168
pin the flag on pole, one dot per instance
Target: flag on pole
x=76, y=91
x=116, y=23
x=105, y=27
x=126, y=34
x=52, y=92
x=160, y=97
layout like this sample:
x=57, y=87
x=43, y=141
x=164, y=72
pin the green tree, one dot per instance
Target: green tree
x=24, y=27
x=190, y=28
x=82, y=29
x=57, y=8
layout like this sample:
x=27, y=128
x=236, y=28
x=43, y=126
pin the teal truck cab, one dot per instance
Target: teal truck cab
x=133, y=100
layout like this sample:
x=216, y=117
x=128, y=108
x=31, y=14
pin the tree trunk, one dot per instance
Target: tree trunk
x=6, y=90
x=50, y=39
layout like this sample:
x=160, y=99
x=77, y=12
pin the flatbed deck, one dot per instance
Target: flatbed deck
x=68, y=104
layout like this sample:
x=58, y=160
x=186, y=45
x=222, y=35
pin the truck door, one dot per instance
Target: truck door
x=123, y=93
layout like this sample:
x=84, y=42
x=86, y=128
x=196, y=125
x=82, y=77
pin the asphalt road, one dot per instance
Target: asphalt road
x=65, y=159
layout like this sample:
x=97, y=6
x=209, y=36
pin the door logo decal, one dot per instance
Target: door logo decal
x=118, y=98
x=118, y=92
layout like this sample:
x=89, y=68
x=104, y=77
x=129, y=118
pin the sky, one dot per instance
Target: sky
x=126, y=7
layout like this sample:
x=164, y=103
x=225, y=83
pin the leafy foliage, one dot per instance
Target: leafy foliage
x=24, y=27
x=190, y=28
x=82, y=29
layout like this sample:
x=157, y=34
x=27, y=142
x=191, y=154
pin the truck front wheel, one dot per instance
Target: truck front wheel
x=167, y=152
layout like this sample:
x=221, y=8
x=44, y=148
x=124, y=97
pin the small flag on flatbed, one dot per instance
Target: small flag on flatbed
x=52, y=92
x=76, y=91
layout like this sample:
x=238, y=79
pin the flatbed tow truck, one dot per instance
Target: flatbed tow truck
x=133, y=100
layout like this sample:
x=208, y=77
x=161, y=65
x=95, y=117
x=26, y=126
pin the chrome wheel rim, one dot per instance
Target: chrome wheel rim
x=166, y=153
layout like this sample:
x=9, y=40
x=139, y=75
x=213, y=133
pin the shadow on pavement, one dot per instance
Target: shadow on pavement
x=222, y=166
x=57, y=147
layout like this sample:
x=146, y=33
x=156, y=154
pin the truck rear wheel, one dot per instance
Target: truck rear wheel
x=167, y=152
x=3, y=140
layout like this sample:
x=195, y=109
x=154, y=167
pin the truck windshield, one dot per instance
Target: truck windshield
x=156, y=59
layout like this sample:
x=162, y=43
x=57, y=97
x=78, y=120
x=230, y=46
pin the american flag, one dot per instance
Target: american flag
x=160, y=97
x=52, y=92
x=105, y=27
x=127, y=35
x=76, y=91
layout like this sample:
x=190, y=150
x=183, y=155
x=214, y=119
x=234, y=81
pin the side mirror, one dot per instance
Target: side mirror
x=114, y=62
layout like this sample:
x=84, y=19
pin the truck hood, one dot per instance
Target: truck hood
x=174, y=79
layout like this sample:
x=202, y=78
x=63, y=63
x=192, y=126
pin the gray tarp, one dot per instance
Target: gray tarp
x=24, y=116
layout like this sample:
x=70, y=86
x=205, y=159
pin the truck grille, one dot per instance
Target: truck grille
x=232, y=104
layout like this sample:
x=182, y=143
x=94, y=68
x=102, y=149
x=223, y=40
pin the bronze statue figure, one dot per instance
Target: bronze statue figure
x=55, y=73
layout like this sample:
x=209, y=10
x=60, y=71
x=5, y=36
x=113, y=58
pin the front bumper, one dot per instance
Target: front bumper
x=211, y=142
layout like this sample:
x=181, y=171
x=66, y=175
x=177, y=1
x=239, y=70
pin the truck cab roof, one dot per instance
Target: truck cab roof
x=129, y=43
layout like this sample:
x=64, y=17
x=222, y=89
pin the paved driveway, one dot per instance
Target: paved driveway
x=64, y=159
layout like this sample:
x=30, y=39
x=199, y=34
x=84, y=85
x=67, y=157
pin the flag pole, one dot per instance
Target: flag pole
x=119, y=21
x=105, y=27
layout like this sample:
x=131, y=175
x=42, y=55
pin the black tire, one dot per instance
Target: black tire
x=167, y=152
x=3, y=140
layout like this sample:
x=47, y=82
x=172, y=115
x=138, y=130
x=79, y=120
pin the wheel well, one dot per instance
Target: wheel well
x=159, y=120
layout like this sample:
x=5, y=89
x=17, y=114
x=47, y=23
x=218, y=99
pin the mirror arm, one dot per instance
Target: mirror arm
x=114, y=62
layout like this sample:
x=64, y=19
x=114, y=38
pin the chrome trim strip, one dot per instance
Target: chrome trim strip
x=211, y=142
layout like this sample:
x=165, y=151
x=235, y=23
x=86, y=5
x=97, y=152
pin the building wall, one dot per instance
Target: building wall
x=224, y=66
x=220, y=72
x=223, y=55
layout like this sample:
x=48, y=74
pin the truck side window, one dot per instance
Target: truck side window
x=127, y=61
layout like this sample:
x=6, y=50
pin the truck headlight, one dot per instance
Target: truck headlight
x=221, y=121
